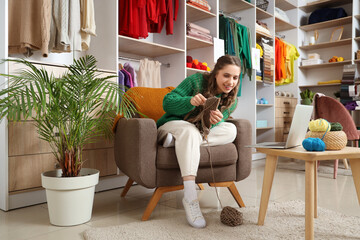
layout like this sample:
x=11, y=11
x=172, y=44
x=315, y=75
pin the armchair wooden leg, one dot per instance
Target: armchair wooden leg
x=233, y=190
x=156, y=197
x=127, y=187
x=201, y=186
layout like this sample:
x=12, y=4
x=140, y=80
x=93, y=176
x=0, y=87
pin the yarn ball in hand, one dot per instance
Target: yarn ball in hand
x=314, y=144
x=319, y=125
x=335, y=126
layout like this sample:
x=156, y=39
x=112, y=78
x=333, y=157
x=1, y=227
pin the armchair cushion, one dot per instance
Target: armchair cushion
x=222, y=155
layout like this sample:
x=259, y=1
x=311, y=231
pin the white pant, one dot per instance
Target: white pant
x=188, y=141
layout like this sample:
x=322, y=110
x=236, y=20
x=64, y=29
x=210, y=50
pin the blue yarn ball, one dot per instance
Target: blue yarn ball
x=314, y=144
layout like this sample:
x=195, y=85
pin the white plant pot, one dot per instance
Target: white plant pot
x=70, y=199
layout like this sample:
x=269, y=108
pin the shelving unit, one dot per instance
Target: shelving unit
x=309, y=76
x=260, y=34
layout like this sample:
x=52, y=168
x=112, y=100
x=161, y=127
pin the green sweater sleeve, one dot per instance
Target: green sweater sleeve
x=177, y=102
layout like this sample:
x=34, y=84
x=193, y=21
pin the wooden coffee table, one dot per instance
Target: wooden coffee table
x=310, y=158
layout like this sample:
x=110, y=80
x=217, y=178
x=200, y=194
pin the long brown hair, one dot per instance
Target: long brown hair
x=210, y=85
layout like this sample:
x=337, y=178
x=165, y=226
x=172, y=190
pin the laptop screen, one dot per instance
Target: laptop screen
x=299, y=125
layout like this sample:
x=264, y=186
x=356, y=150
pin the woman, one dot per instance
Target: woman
x=186, y=101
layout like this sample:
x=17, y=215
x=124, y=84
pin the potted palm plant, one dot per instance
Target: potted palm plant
x=69, y=112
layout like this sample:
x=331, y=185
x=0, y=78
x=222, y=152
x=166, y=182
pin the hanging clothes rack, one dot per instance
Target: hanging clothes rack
x=138, y=60
x=280, y=36
x=229, y=15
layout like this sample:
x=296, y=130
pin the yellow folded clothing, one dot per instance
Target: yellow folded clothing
x=329, y=82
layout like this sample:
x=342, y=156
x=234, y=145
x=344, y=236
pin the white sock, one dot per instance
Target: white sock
x=169, y=140
x=190, y=190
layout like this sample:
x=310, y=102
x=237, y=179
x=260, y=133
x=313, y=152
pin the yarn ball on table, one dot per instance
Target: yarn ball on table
x=319, y=125
x=335, y=126
x=314, y=144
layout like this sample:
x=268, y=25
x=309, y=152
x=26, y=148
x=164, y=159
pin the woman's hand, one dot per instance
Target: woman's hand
x=215, y=116
x=197, y=100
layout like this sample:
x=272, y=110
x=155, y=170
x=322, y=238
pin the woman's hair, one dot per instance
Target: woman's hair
x=210, y=85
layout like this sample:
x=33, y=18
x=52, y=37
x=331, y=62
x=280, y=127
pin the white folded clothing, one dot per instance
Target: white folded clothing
x=197, y=27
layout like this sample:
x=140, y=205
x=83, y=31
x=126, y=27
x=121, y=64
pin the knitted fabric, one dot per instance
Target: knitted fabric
x=202, y=119
x=177, y=103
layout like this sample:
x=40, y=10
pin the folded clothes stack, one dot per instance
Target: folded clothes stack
x=203, y=4
x=196, y=31
x=261, y=27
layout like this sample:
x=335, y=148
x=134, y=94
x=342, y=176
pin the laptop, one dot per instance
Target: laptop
x=298, y=128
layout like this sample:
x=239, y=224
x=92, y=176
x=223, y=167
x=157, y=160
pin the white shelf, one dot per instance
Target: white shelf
x=193, y=43
x=191, y=71
x=284, y=5
x=281, y=25
x=231, y=6
x=194, y=14
x=325, y=65
x=143, y=48
x=261, y=14
x=320, y=85
x=357, y=16
x=327, y=24
x=327, y=44
x=260, y=34
x=264, y=128
x=264, y=105
x=323, y=3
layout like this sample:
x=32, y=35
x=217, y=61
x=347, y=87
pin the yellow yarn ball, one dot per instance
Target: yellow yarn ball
x=208, y=69
x=319, y=125
x=204, y=63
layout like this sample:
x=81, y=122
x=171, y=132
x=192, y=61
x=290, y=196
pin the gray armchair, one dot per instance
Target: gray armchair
x=144, y=161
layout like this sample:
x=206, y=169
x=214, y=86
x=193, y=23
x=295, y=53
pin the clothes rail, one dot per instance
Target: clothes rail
x=280, y=36
x=229, y=15
x=138, y=60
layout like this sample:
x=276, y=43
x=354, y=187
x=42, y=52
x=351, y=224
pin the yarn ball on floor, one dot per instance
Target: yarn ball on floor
x=231, y=217
x=314, y=144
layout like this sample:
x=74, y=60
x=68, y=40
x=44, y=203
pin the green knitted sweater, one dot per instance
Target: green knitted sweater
x=177, y=104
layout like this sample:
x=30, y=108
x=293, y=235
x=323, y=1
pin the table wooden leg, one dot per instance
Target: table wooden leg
x=309, y=200
x=270, y=167
x=355, y=169
x=315, y=189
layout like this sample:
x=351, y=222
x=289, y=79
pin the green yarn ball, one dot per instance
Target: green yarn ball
x=335, y=126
